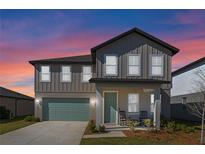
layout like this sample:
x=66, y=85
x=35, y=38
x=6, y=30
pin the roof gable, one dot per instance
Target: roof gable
x=190, y=66
x=11, y=93
x=136, y=30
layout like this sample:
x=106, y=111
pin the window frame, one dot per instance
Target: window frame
x=152, y=102
x=86, y=74
x=184, y=100
x=105, y=74
x=162, y=66
x=61, y=74
x=137, y=103
x=41, y=74
x=139, y=74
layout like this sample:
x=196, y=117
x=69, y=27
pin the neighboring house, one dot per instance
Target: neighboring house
x=184, y=90
x=18, y=104
x=126, y=73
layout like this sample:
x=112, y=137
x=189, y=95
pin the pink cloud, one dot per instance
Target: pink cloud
x=190, y=50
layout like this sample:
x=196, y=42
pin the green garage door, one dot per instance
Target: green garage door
x=66, y=109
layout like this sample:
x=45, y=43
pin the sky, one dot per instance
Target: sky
x=37, y=34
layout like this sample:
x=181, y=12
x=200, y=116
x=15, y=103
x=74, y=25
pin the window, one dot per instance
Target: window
x=152, y=102
x=45, y=73
x=66, y=74
x=184, y=100
x=152, y=98
x=111, y=65
x=133, y=102
x=157, y=65
x=87, y=74
x=134, y=65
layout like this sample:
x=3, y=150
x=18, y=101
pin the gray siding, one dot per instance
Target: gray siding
x=179, y=111
x=134, y=44
x=191, y=98
x=17, y=106
x=55, y=85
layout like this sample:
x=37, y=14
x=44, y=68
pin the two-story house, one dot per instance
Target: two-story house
x=129, y=72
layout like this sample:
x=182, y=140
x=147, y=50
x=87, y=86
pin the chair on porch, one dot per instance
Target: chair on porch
x=123, y=118
x=133, y=116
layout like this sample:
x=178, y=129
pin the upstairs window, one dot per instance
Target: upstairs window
x=66, y=74
x=157, y=65
x=45, y=73
x=87, y=73
x=111, y=65
x=134, y=65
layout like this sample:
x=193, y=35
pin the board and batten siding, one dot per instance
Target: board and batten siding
x=56, y=86
x=134, y=44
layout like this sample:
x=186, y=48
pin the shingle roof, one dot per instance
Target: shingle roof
x=139, y=31
x=190, y=66
x=11, y=93
x=73, y=59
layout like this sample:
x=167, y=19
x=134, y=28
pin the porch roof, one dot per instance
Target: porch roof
x=98, y=80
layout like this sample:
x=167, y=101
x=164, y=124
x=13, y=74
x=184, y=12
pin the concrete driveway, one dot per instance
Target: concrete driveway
x=46, y=133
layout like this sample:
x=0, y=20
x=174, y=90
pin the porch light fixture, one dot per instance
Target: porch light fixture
x=92, y=102
x=38, y=101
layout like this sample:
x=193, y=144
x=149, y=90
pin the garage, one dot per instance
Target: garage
x=66, y=109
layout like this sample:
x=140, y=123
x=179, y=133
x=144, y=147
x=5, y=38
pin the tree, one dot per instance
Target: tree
x=198, y=108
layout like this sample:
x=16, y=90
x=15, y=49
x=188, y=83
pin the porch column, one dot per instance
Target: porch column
x=157, y=109
x=99, y=108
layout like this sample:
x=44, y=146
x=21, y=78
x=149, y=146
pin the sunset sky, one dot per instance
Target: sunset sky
x=36, y=34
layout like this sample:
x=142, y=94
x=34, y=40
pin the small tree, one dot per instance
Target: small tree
x=198, y=109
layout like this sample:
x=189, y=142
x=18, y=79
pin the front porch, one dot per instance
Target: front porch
x=117, y=127
x=115, y=106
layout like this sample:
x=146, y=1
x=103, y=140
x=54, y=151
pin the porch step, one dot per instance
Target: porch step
x=120, y=128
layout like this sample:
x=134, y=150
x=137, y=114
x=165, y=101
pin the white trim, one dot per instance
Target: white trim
x=91, y=72
x=140, y=65
x=103, y=120
x=117, y=58
x=157, y=55
x=61, y=74
x=49, y=66
x=138, y=103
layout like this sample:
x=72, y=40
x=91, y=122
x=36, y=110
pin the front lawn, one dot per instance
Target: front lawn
x=146, y=137
x=10, y=125
x=118, y=141
x=179, y=133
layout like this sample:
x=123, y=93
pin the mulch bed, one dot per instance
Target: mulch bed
x=177, y=137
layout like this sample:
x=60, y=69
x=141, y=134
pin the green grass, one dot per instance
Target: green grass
x=10, y=125
x=120, y=141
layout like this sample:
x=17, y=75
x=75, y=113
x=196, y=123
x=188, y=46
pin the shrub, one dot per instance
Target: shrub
x=102, y=128
x=147, y=122
x=132, y=124
x=171, y=126
x=28, y=118
x=36, y=119
x=32, y=119
x=4, y=113
x=180, y=127
x=163, y=122
x=189, y=130
x=92, y=126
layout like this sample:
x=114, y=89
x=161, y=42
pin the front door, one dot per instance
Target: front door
x=110, y=107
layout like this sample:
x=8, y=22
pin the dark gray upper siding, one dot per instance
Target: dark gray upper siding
x=56, y=86
x=134, y=44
